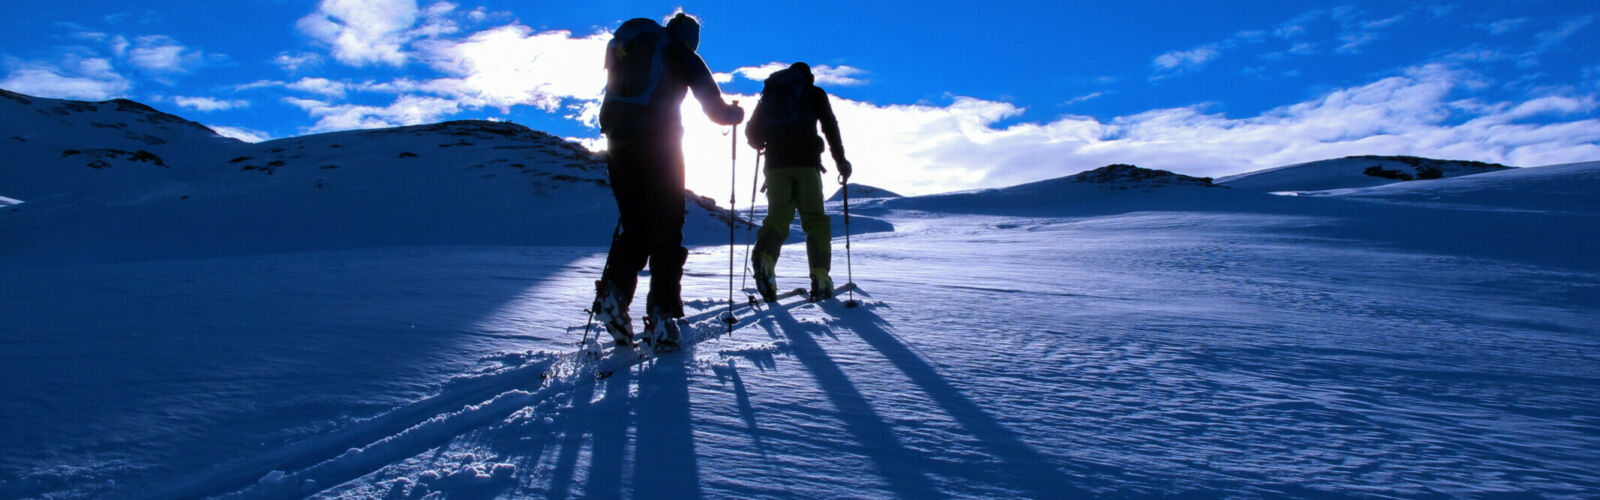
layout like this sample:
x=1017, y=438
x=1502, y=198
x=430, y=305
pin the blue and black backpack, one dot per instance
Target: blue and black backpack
x=635, y=63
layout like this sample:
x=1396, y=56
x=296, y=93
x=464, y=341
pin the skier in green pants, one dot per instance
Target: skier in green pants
x=784, y=126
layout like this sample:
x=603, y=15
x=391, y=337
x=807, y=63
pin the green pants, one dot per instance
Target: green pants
x=789, y=190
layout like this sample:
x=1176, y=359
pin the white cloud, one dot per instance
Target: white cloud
x=293, y=63
x=1297, y=26
x=436, y=21
x=1186, y=59
x=1551, y=38
x=243, y=134
x=1382, y=23
x=922, y=149
x=1504, y=26
x=162, y=54
x=1351, y=43
x=1554, y=104
x=258, y=84
x=208, y=104
x=405, y=110
x=320, y=86
x=825, y=75
x=75, y=77
x=844, y=76
x=362, y=32
x=1083, y=98
x=512, y=65
x=760, y=73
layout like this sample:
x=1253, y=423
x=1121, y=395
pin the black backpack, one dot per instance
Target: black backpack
x=787, y=113
x=635, y=63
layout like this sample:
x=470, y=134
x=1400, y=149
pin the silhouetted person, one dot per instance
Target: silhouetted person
x=649, y=71
x=784, y=125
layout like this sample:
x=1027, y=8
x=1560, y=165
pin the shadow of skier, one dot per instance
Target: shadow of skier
x=610, y=439
x=1022, y=466
x=893, y=461
x=664, y=464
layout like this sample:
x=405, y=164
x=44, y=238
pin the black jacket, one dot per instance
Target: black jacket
x=663, y=120
x=803, y=149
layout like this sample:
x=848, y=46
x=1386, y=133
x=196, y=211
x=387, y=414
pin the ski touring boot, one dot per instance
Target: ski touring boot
x=821, y=287
x=660, y=331
x=764, y=279
x=611, y=313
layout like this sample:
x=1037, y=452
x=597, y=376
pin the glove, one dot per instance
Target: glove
x=844, y=169
x=735, y=114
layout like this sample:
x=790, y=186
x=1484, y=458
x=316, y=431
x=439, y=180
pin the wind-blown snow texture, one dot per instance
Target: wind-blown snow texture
x=1122, y=332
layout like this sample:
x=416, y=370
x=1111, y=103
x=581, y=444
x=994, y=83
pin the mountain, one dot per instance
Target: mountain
x=1117, y=188
x=1555, y=189
x=1353, y=172
x=80, y=174
x=863, y=192
x=315, y=317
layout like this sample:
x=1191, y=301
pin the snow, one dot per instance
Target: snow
x=1121, y=332
x=1350, y=172
x=862, y=192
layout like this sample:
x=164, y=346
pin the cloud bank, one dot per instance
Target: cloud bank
x=921, y=149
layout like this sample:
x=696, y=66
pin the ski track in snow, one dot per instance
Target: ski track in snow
x=1148, y=354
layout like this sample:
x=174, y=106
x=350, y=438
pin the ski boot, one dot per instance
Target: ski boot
x=660, y=331
x=764, y=280
x=821, y=287
x=611, y=313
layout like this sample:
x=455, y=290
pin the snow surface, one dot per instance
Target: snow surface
x=1349, y=172
x=1118, y=333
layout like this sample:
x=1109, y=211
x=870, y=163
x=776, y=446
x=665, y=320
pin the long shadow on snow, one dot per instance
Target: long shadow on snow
x=606, y=423
x=1023, y=467
x=664, y=463
x=1566, y=239
x=893, y=461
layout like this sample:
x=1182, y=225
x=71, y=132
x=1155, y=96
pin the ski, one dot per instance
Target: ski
x=601, y=360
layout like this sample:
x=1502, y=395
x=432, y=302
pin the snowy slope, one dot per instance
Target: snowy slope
x=1106, y=190
x=1352, y=172
x=1121, y=333
x=862, y=192
x=1571, y=188
x=110, y=150
x=80, y=169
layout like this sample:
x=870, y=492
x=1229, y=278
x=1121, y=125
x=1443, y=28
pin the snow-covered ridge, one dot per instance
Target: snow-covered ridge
x=863, y=192
x=1569, y=188
x=1113, y=188
x=160, y=186
x=1354, y=172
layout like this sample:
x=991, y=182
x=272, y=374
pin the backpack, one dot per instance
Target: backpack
x=635, y=63
x=786, y=109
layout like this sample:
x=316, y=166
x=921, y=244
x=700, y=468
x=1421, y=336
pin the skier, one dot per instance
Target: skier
x=784, y=126
x=650, y=69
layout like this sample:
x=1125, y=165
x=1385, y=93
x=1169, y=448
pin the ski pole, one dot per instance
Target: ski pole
x=755, y=178
x=733, y=214
x=848, y=266
x=599, y=284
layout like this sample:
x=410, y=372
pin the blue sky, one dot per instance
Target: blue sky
x=932, y=97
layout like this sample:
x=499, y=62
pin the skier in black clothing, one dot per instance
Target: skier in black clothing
x=784, y=126
x=650, y=71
